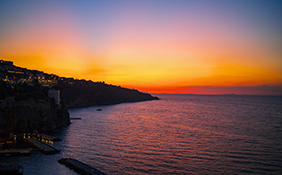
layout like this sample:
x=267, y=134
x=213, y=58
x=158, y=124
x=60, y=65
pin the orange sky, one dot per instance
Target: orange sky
x=150, y=46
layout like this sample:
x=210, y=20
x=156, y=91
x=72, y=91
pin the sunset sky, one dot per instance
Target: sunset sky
x=170, y=46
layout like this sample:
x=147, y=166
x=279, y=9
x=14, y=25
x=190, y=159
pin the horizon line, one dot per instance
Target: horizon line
x=232, y=94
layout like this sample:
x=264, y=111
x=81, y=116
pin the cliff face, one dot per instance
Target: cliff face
x=30, y=115
x=81, y=93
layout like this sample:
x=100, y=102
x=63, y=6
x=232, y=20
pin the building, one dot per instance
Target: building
x=52, y=93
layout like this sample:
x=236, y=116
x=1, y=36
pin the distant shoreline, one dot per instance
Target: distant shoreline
x=216, y=94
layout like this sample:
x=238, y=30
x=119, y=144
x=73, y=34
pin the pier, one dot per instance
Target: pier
x=78, y=118
x=13, y=146
x=80, y=167
x=46, y=149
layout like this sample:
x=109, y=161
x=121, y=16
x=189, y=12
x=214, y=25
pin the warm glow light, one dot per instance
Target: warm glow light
x=150, y=46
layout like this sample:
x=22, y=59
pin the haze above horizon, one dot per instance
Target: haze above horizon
x=160, y=46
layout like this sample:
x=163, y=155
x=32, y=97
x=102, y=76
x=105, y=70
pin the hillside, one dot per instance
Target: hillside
x=26, y=105
x=75, y=93
x=80, y=93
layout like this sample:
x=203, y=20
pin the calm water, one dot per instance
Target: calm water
x=179, y=134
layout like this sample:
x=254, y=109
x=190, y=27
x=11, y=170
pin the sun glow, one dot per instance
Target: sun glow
x=155, y=47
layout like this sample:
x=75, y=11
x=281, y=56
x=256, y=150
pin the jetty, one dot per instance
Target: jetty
x=43, y=142
x=75, y=118
x=46, y=149
x=80, y=167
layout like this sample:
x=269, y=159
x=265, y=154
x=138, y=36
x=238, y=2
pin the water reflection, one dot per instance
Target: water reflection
x=205, y=134
x=175, y=135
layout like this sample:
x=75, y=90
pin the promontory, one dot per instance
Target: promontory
x=33, y=100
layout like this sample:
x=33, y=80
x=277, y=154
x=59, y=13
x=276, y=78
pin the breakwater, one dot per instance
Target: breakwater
x=80, y=167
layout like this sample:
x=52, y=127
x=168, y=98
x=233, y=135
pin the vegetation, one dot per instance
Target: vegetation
x=87, y=93
x=23, y=91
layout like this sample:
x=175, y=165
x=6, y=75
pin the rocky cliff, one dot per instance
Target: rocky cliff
x=30, y=115
x=27, y=108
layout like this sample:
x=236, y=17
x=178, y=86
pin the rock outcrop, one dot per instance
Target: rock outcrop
x=30, y=115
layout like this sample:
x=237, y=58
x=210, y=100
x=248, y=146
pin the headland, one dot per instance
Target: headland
x=33, y=100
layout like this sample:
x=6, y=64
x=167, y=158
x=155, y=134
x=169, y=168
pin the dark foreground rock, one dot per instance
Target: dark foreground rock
x=30, y=115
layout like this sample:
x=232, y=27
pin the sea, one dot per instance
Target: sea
x=178, y=134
